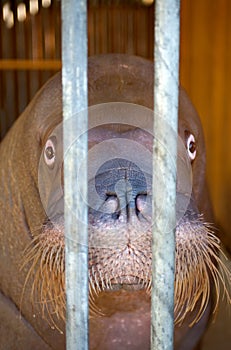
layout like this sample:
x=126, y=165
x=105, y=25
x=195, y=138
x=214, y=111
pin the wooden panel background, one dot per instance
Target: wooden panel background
x=206, y=74
x=127, y=27
x=37, y=38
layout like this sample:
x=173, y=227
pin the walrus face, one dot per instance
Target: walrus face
x=120, y=227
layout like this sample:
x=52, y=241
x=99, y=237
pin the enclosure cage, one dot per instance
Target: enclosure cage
x=30, y=53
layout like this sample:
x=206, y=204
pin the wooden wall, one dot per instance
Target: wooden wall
x=127, y=26
x=23, y=48
x=205, y=69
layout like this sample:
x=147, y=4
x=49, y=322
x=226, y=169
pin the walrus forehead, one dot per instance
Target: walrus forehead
x=53, y=125
x=134, y=128
x=119, y=131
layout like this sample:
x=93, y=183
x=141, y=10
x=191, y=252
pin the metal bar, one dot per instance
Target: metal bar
x=74, y=84
x=166, y=68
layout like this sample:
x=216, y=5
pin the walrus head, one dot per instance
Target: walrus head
x=120, y=220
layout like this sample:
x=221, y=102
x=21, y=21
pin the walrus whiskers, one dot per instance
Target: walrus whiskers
x=197, y=262
x=46, y=256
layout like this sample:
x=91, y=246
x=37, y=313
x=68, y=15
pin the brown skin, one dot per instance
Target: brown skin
x=22, y=216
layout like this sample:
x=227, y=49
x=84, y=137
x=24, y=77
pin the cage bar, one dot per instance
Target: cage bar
x=74, y=77
x=166, y=68
x=75, y=100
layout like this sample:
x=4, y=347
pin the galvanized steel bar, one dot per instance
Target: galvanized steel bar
x=74, y=84
x=166, y=68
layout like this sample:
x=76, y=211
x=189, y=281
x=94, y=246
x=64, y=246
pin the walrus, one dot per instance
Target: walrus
x=32, y=280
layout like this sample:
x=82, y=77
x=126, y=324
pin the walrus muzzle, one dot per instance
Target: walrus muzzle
x=120, y=229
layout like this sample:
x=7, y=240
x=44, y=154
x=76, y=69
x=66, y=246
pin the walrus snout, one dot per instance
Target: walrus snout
x=123, y=190
x=120, y=227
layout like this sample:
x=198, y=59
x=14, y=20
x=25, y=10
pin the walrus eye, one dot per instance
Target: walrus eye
x=191, y=147
x=49, y=152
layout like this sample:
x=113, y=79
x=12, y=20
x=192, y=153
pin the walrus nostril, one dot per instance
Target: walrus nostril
x=141, y=200
x=112, y=206
x=117, y=184
x=143, y=206
x=111, y=203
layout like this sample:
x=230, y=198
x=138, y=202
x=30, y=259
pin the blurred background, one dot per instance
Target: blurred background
x=30, y=53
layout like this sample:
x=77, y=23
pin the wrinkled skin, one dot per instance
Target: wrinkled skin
x=125, y=323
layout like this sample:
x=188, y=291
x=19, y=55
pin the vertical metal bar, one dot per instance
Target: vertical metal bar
x=166, y=68
x=74, y=84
